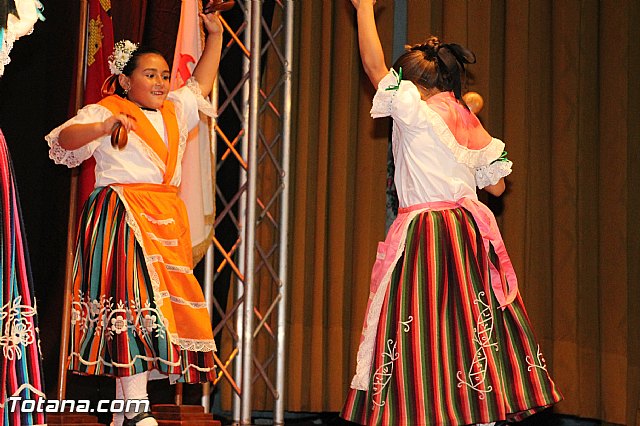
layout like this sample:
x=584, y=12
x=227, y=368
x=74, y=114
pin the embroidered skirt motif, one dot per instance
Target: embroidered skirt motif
x=445, y=354
x=20, y=362
x=116, y=327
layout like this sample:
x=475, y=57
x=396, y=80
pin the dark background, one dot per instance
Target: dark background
x=34, y=98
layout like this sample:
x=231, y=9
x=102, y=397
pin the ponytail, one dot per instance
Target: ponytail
x=434, y=64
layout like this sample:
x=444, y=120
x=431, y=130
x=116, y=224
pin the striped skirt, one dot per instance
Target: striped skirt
x=445, y=354
x=21, y=375
x=116, y=328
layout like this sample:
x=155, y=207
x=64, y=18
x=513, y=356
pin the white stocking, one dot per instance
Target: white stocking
x=118, y=418
x=135, y=387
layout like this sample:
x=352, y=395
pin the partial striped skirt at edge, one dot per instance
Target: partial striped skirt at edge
x=445, y=354
x=116, y=328
x=21, y=375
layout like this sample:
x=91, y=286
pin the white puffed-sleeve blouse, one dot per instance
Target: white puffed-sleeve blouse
x=136, y=163
x=440, y=149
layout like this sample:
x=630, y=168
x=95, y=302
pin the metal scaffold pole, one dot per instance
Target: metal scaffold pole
x=278, y=415
x=250, y=220
x=252, y=207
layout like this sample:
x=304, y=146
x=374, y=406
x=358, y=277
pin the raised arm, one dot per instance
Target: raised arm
x=370, y=47
x=207, y=67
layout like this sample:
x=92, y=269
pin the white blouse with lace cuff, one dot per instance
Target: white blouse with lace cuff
x=136, y=163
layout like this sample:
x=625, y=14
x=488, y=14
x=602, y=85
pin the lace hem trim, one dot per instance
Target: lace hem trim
x=73, y=158
x=178, y=268
x=13, y=31
x=195, y=345
x=60, y=155
x=204, y=106
x=165, y=242
x=157, y=221
x=157, y=258
x=181, y=301
x=5, y=49
x=491, y=174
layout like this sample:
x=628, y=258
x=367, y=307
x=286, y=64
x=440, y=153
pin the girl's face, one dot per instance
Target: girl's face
x=148, y=85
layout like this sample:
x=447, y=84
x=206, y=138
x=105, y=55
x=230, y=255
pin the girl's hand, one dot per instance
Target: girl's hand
x=109, y=124
x=207, y=67
x=212, y=22
x=357, y=3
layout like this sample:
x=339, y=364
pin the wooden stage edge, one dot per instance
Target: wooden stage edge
x=165, y=414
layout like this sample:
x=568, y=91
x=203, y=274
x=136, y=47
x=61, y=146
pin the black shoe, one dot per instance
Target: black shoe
x=134, y=420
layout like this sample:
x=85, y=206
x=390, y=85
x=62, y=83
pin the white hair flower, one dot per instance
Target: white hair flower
x=122, y=52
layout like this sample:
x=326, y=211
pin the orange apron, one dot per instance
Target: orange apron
x=159, y=220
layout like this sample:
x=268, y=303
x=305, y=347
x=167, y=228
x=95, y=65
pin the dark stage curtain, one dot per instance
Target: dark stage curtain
x=559, y=84
x=34, y=98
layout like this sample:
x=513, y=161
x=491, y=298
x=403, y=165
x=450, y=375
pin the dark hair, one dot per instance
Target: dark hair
x=132, y=65
x=434, y=64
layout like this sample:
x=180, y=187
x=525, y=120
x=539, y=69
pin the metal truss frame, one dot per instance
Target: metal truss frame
x=252, y=257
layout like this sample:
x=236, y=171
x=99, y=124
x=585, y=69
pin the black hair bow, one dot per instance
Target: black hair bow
x=452, y=57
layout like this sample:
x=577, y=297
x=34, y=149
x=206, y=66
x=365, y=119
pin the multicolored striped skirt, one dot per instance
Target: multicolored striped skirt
x=116, y=327
x=20, y=362
x=445, y=353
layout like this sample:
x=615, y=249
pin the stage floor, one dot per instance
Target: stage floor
x=332, y=419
